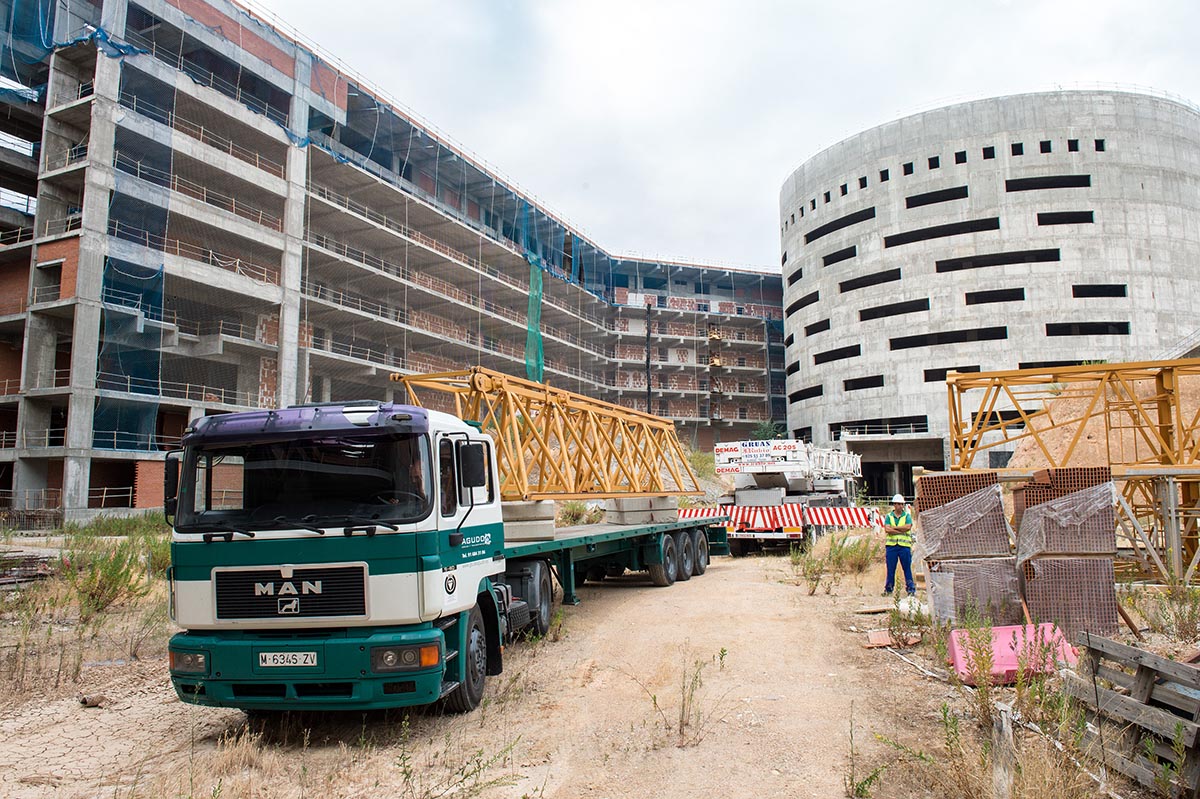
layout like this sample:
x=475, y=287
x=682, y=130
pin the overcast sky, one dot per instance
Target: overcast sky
x=668, y=128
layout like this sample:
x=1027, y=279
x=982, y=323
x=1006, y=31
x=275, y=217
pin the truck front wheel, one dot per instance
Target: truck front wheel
x=469, y=693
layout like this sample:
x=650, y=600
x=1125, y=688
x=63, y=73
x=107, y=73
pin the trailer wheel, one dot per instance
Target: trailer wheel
x=469, y=693
x=687, y=556
x=700, y=544
x=737, y=548
x=663, y=574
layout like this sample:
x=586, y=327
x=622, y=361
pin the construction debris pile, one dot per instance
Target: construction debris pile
x=1060, y=562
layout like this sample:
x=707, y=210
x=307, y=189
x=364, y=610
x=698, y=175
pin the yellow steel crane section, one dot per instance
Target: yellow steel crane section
x=556, y=444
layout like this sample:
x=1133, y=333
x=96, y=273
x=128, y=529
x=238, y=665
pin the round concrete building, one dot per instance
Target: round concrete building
x=1030, y=230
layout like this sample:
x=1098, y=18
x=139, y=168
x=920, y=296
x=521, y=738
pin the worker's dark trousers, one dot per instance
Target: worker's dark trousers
x=903, y=556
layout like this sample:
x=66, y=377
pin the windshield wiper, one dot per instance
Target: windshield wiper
x=371, y=523
x=304, y=523
x=228, y=534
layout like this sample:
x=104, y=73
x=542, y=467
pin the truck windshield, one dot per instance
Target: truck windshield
x=314, y=483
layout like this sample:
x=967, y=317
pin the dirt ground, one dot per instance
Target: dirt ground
x=768, y=675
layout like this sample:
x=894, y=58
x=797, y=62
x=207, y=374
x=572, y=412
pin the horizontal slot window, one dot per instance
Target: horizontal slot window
x=839, y=256
x=793, y=368
x=1049, y=364
x=794, y=277
x=838, y=224
x=1008, y=418
x=896, y=425
x=787, y=342
x=840, y=354
x=1087, y=328
x=1065, y=218
x=938, y=375
x=859, y=383
x=998, y=259
x=942, y=231
x=893, y=309
x=995, y=295
x=816, y=327
x=934, y=197
x=1048, y=182
x=806, y=393
x=803, y=302
x=949, y=337
x=1099, y=290
x=873, y=279
x=803, y=434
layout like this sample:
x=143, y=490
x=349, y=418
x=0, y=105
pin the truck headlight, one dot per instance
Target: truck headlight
x=189, y=662
x=405, y=658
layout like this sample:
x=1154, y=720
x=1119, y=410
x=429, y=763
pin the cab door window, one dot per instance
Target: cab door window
x=447, y=479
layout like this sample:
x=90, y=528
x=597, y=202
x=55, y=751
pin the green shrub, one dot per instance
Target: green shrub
x=704, y=464
x=104, y=576
x=152, y=523
x=852, y=557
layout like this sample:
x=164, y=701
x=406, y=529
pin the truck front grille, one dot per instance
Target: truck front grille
x=313, y=592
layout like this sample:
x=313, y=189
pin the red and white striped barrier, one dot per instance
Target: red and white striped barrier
x=785, y=517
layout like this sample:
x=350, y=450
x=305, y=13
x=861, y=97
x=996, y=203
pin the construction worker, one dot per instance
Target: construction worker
x=898, y=527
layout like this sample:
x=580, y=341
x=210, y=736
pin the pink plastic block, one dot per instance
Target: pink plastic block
x=1044, y=643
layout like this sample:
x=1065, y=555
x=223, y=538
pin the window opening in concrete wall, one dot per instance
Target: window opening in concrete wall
x=862, y=182
x=1045, y=146
x=794, y=277
x=826, y=196
x=939, y=196
x=960, y=157
x=839, y=223
x=845, y=188
x=938, y=375
x=816, y=327
x=908, y=168
x=1018, y=148
x=812, y=204
x=935, y=162
x=1099, y=290
x=1048, y=182
x=806, y=393
x=839, y=354
x=989, y=153
x=893, y=309
x=883, y=176
x=1087, y=328
x=995, y=295
x=793, y=367
x=803, y=302
x=998, y=259
x=1099, y=145
x=941, y=231
x=839, y=256
x=949, y=337
x=782, y=261
x=803, y=434
x=793, y=219
x=791, y=339
x=1065, y=218
x=802, y=212
x=895, y=424
x=1049, y=364
x=859, y=383
x=1072, y=145
x=887, y=276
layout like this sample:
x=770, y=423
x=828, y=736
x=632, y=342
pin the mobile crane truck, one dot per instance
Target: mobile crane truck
x=353, y=556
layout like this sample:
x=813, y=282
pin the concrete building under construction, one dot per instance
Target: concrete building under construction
x=202, y=213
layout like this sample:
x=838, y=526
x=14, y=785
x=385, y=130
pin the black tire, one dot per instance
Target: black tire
x=737, y=547
x=687, y=557
x=700, y=544
x=540, y=616
x=663, y=574
x=596, y=574
x=467, y=696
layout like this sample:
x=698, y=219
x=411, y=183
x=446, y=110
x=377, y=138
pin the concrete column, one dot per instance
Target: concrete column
x=291, y=387
x=113, y=16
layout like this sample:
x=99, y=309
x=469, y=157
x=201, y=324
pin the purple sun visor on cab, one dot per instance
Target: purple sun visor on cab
x=304, y=421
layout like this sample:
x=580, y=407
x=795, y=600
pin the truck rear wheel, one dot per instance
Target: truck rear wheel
x=700, y=544
x=469, y=693
x=687, y=556
x=544, y=598
x=737, y=548
x=663, y=574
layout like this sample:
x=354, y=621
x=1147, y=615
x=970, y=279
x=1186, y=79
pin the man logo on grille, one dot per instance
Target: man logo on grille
x=289, y=606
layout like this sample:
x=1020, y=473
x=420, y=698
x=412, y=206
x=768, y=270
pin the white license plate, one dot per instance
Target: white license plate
x=287, y=659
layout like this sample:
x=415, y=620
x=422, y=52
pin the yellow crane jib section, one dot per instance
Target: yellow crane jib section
x=556, y=444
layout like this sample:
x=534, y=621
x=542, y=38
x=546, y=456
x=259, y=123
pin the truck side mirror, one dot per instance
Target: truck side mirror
x=170, y=484
x=472, y=466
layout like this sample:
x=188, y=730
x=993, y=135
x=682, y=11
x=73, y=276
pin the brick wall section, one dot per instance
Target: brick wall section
x=66, y=250
x=329, y=84
x=10, y=364
x=14, y=287
x=268, y=382
x=148, y=484
x=237, y=33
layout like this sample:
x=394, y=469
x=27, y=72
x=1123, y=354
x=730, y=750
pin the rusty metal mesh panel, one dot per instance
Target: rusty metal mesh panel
x=1075, y=593
x=971, y=526
x=987, y=586
x=1080, y=523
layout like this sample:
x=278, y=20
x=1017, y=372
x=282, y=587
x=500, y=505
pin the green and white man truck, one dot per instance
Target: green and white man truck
x=353, y=556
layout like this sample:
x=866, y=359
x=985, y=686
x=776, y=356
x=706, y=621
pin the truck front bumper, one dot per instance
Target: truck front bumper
x=317, y=672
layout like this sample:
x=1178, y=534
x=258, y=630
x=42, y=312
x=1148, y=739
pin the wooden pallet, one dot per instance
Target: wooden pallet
x=1138, y=705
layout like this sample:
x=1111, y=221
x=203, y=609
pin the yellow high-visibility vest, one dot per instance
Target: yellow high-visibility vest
x=895, y=520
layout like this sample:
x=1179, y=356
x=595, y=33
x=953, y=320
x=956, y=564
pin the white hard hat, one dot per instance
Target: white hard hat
x=898, y=499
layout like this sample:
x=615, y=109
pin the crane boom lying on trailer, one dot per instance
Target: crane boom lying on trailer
x=365, y=555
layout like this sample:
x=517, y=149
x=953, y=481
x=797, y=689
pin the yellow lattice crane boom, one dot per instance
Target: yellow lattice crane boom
x=556, y=444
